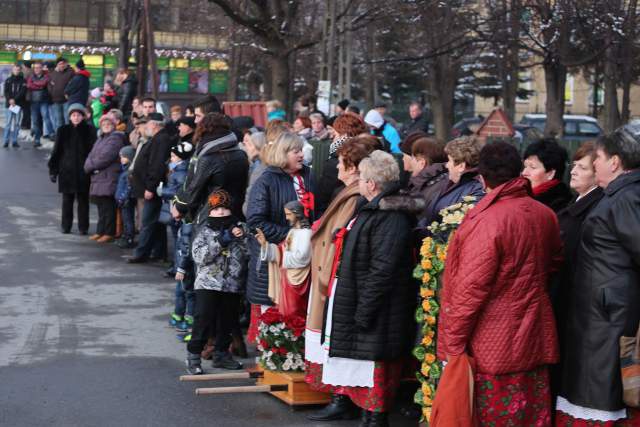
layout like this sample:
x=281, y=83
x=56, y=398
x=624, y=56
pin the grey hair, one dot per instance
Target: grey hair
x=316, y=116
x=381, y=168
x=259, y=140
x=157, y=123
x=117, y=114
x=624, y=142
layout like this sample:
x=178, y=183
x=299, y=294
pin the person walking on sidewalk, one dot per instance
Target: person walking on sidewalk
x=37, y=86
x=15, y=94
x=73, y=144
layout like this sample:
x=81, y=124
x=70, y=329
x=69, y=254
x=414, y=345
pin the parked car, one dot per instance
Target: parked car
x=580, y=128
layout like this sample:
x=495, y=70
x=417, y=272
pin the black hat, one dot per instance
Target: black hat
x=61, y=59
x=156, y=117
x=185, y=120
x=344, y=104
x=80, y=64
x=184, y=150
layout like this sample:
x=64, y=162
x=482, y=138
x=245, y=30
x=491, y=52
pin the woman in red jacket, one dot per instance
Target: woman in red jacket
x=494, y=302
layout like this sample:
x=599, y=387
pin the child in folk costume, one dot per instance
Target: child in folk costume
x=219, y=250
x=289, y=263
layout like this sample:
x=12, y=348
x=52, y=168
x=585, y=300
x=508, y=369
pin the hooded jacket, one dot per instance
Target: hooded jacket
x=429, y=183
x=77, y=90
x=218, y=163
x=605, y=297
x=494, y=302
x=375, y=297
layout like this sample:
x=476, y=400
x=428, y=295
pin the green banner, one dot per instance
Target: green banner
x=179, y=81
x=218, y=81
x=110, y=61
x=72, y=58
x=199, y=63
x=162, y=63
x=8, y=57
x=97, y=77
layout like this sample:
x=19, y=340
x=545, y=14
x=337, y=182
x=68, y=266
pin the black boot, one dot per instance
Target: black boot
x=366, y=417
x=340, y=408
x=378, y=419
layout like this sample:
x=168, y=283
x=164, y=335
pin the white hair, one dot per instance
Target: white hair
x=381, y=168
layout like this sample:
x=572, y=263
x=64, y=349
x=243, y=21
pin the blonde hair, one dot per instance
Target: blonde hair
x=464, y=149
x=274, y=104
x=379, y=167
x=274, y=129
x=275, y=153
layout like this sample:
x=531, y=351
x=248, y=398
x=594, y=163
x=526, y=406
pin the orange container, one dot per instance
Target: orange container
x=255, y=109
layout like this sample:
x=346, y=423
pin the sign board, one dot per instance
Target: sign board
x=110, y=61
x=8, y=57
x=179, y=81
x=201, y=64
x=97, y=77
x=162, y=63
x=218, y=81
x=324, y=89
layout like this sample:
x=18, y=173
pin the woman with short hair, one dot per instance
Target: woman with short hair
x=319, y=131
x=368, y=329
x=426, y=161
x=494, y=304
x=285, y=178
x=544, y=165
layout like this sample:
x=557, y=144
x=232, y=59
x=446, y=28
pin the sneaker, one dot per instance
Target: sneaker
x=189, y=320
x=5, y=145
x=37, y=144
x=224, y=360
x=15, y=145
x=182, y=326
x=124, y=243
x=174, y=320
x=194, y=365
x=186, y=338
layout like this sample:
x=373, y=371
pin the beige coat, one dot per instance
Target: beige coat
x=336, y=216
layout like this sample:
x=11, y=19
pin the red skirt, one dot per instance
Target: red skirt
x=379, y=398
x=632, y=420
x=520, y=399
x=254, y=323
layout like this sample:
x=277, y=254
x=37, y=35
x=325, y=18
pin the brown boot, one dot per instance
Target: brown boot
x=95, y=237
x=238, y=347
x=105, y=239
x=207, y=353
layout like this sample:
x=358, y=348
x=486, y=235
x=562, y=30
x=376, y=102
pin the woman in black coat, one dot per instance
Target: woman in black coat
x=73, y=144
x=285, y=179
x=583, y=182
x=604, y=299
x=369, y=326
x=544, y=166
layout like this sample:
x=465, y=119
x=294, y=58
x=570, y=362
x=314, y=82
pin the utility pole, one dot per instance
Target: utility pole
x=328, y=45
x=345, y=57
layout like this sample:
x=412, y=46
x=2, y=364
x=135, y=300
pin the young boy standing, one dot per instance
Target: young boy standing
x=125, y=200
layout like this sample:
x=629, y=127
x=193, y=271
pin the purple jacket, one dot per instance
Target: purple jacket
x=103, y=164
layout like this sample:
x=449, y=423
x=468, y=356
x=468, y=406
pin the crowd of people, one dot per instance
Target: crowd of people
x=540, y=281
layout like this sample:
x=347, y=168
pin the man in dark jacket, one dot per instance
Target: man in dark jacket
x=149, y=169
x=127, y=87
x=77, y=90
x=37, y=86
x=15, y=92
x=58, y=80
x=418, y=121
x=604, y=302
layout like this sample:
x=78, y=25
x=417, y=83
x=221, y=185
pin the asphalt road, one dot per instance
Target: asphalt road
x=84, y=339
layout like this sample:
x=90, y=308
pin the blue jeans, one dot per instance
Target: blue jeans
x=40, y=111
x=65, y=111
x=128, y=211
x=151, y=242
x=12, y=127
x=56, y=113
x=185, y=301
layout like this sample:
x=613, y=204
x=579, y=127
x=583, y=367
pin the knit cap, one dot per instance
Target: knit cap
x=128, y=152
x=184, y=150
x=219, y=199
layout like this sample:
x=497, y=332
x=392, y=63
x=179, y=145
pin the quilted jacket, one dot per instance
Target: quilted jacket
x=375, y=298
x=103, y=164
x=605, y=298
x=182, y=257
x=217, y=163
x=450, y=194
x=494, y=301
x=265, y=211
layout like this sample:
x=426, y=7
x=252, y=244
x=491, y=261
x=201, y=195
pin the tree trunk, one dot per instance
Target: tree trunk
x=511, y=77
x=441, y=83
x=234, y=66
x=280, y=78
x=141, y=60
x=555, y=77
x=611, y=113
x=628, y=59
x=126, y=12
x=370, y=85
x=151, y=49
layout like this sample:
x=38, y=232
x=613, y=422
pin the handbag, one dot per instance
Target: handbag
x=630, y=367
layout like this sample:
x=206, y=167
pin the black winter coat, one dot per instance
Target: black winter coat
x=77, y=89
x=126, y=93
x=420, y=124
x=605, y=297
x=328, y=184
x=218, y=163
x=271, y=191
x=150, y=165
x=72, y=146
x=15, y=87
x=375, y=298
x=556, y=198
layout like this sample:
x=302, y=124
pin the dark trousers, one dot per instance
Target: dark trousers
x=106, y=215
x=128, y=213
x=216, y=314
x=83, y=211
x=151, y=240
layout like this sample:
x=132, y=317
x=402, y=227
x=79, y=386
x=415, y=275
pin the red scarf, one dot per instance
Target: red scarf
x=544, y=187
x=305, y=197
